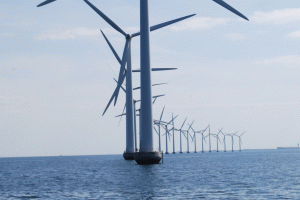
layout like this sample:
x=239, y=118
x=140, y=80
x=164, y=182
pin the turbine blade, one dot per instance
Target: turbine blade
x=159, y=84
x=109, y=21
x=228, y=7
x=162, y=113
x=161, y=95
x=156, y=131
x=173, y=119
x=122, y=113
x=111, y=47
x=122, y=68
x=155, y=69
x=45, y=2
x=158, y=26
x=191, y=125
x=114, y=94
x=111, y=99
x=243, y=133
x=137, y=88
x=154, y=100
x=220, y=131
x=121, y=86
x=183, y=123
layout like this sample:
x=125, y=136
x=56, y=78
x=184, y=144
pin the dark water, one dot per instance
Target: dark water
x=259, y=174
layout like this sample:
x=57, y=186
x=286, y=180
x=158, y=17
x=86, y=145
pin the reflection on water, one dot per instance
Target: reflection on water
x=267, y=174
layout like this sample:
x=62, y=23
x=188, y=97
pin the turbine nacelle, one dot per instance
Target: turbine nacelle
x=128, y=37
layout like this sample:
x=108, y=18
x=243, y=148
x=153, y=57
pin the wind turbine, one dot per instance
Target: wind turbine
x=224, y=141
x=240, y=140
x=217, y=137
x=127, y=73
x=181, y=132
x=147, y=155
x=165, y=126
x=203, y=138
x=159, y=129
x=194, y=139
x=187, y=137
x=232, y=141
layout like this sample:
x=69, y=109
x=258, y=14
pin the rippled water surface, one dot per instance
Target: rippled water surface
x=252, y=174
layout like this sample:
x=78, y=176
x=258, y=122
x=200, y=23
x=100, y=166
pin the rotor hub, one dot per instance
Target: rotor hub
x=128, y=36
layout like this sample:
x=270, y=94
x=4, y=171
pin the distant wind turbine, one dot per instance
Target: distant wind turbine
x=181, y=131
x=224, y=141
x=187, y=137
x=217, y=137
x=240, y=140
x=232, y=140
x=203, y=138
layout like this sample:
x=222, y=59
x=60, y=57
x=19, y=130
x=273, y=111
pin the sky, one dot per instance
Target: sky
x=56, y=73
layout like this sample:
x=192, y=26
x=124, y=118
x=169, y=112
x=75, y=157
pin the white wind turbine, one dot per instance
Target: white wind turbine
x=181, y=131
x=158, y=132
x=218, y=139
x=203, y=138
x=224, y=141
x=165, y=126
x=187, y=137
x=128, y=73
x=232, y=140
x=194, y=139
x=240, y=140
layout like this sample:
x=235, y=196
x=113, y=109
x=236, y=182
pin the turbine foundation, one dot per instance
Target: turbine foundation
x=147, y=158
x=128, y=156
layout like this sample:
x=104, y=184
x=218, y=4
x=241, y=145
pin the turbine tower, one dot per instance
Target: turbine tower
x=173, y=129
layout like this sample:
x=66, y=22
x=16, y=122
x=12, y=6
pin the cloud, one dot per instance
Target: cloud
x=277, y=16
x=199, y=23
x=295, y=34
x=236, y=36
x=286, y=61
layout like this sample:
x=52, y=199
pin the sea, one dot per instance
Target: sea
x=249, y=174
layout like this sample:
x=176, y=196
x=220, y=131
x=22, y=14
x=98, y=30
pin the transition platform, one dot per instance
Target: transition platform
x=128, y=156
x=147, y=158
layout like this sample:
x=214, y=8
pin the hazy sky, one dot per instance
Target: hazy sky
x=57, y=73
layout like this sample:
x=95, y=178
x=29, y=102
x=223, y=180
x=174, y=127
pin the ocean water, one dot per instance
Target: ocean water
x=250, y=174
